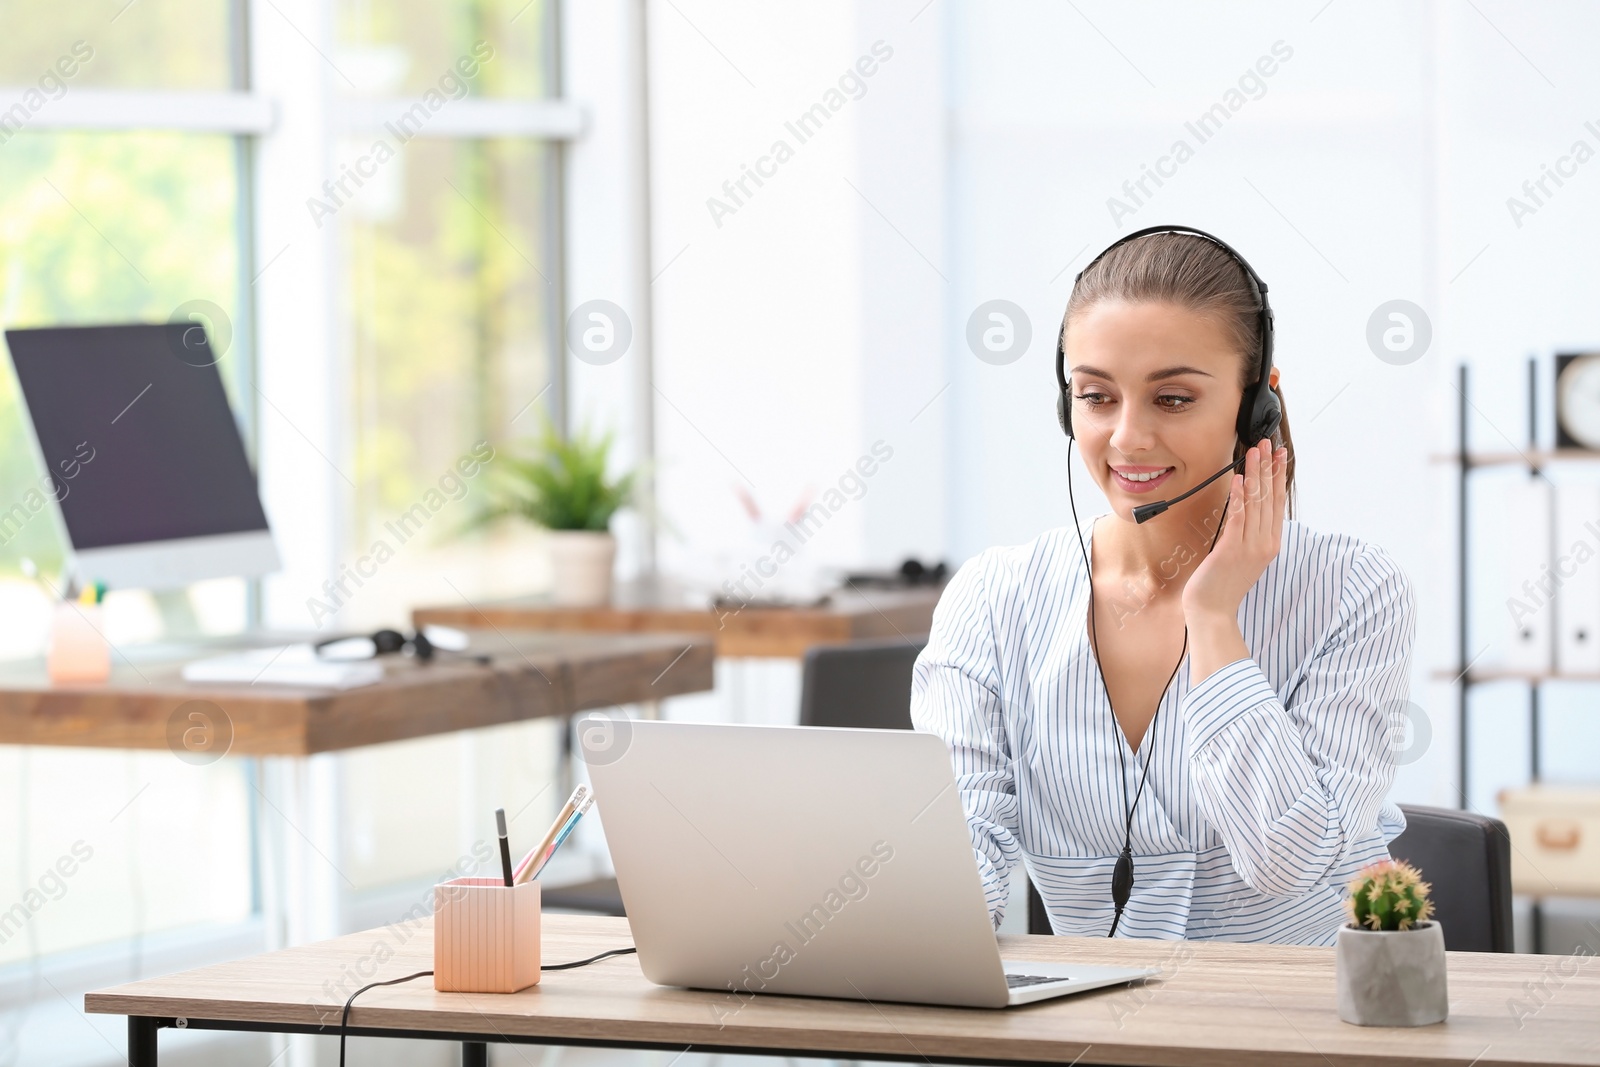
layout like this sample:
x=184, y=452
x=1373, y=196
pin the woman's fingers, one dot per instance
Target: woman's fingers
x=1251, y=488
x=1283, y=488
x=1264, y=496
x=1255, y=480
x=1238, y=498
x=1269, y=493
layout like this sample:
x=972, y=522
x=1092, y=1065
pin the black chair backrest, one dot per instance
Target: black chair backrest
x=1038, y=915
x=860, y=684
x=1466, y=859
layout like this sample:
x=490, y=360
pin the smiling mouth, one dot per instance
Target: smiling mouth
x=1142, y=482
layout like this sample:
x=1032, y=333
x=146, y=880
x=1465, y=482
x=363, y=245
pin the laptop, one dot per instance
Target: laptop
x=804, y=860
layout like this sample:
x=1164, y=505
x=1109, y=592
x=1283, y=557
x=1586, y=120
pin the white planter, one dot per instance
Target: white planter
x=580, y=567
x=1392, y=977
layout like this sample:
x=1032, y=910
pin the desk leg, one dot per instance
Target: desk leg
x=301, y=887
x=474, y=1054
x=141, y=1041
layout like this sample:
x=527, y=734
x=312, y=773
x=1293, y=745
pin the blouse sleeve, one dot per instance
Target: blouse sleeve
x=1290, y=788
x=955, y=693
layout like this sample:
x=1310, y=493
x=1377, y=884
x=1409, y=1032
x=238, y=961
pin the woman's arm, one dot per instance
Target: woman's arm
x=955, y=693
x=1291, y=788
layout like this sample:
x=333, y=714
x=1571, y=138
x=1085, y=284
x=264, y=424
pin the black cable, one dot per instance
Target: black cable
x=591, y=959
x=344, y=1018
x=1122, y=873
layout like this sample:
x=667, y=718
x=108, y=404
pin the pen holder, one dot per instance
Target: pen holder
x=485, y=936
x=78, y=648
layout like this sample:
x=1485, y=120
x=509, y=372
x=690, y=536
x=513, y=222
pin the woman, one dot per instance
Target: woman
x=1215, y=705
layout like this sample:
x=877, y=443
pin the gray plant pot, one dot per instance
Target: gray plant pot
x=1392, y=977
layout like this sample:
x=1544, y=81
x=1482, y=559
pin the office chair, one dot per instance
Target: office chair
x=599, y=896
x=1466, y=858
x=1038, y=917
x=864, y=684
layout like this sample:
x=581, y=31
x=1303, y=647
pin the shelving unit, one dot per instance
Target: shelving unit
x=1465, y=677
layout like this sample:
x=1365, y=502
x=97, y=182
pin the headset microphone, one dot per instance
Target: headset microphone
x=1150, y=511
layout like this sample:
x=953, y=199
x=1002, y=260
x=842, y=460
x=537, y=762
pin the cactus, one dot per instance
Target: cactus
x=1389, y=895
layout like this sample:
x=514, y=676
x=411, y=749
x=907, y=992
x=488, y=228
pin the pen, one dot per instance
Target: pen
x=577, y=813
x=505, y=845
x=525, y=868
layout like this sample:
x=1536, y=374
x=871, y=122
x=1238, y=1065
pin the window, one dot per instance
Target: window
x=175, y=44
x=451, y=250
x=117, y=202
x=108, y=226
x=451, y=260
x=448, y=330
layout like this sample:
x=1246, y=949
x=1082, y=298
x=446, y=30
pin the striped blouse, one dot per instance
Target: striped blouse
x=1268, y=788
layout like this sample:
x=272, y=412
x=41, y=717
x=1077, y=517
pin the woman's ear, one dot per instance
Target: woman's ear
x=1272, y=379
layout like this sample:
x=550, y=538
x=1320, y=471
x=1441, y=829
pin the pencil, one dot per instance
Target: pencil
x=525, y=868
x=572, y=821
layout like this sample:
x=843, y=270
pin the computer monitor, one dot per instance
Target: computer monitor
x=146, y=463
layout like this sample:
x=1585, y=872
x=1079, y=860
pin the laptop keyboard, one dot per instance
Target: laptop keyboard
x=1017, y=981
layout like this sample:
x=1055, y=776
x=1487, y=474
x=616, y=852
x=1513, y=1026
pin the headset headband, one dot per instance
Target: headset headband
x=1258, y=407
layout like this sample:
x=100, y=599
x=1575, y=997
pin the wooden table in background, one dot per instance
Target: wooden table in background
x=294, y=732
x=530, y=676
x=1216, y=1005
x=647, y=607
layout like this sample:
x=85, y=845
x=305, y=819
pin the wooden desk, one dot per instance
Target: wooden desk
x=292, y=732
x=531, y=675
x=1218, y=1005
x=850, y=614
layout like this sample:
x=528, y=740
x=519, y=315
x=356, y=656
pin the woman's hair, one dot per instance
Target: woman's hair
x=1194, y=273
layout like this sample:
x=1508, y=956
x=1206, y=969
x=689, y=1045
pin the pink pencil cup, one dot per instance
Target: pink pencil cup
x=78, y=648
x=485, y=936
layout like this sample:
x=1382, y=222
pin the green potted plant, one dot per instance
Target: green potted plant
x=563, y=485
x=1390, y=960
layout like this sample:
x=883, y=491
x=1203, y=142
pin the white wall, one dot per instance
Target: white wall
x=801, y=328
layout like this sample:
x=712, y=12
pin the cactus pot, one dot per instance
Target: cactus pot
x=1392, y=977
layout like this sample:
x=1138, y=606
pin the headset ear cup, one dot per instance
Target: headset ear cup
x=1064, y=413
x=1265, y=415
x=1274, y=414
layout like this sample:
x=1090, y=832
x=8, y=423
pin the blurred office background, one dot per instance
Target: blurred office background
x=388, y=295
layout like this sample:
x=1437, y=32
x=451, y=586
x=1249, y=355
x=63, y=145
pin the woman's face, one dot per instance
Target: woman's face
x=1155, y=397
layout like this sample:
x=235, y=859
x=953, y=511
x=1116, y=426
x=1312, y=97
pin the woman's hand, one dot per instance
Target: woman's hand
x=1252, y=533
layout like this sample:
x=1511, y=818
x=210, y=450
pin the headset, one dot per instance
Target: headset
x=1260, y=411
